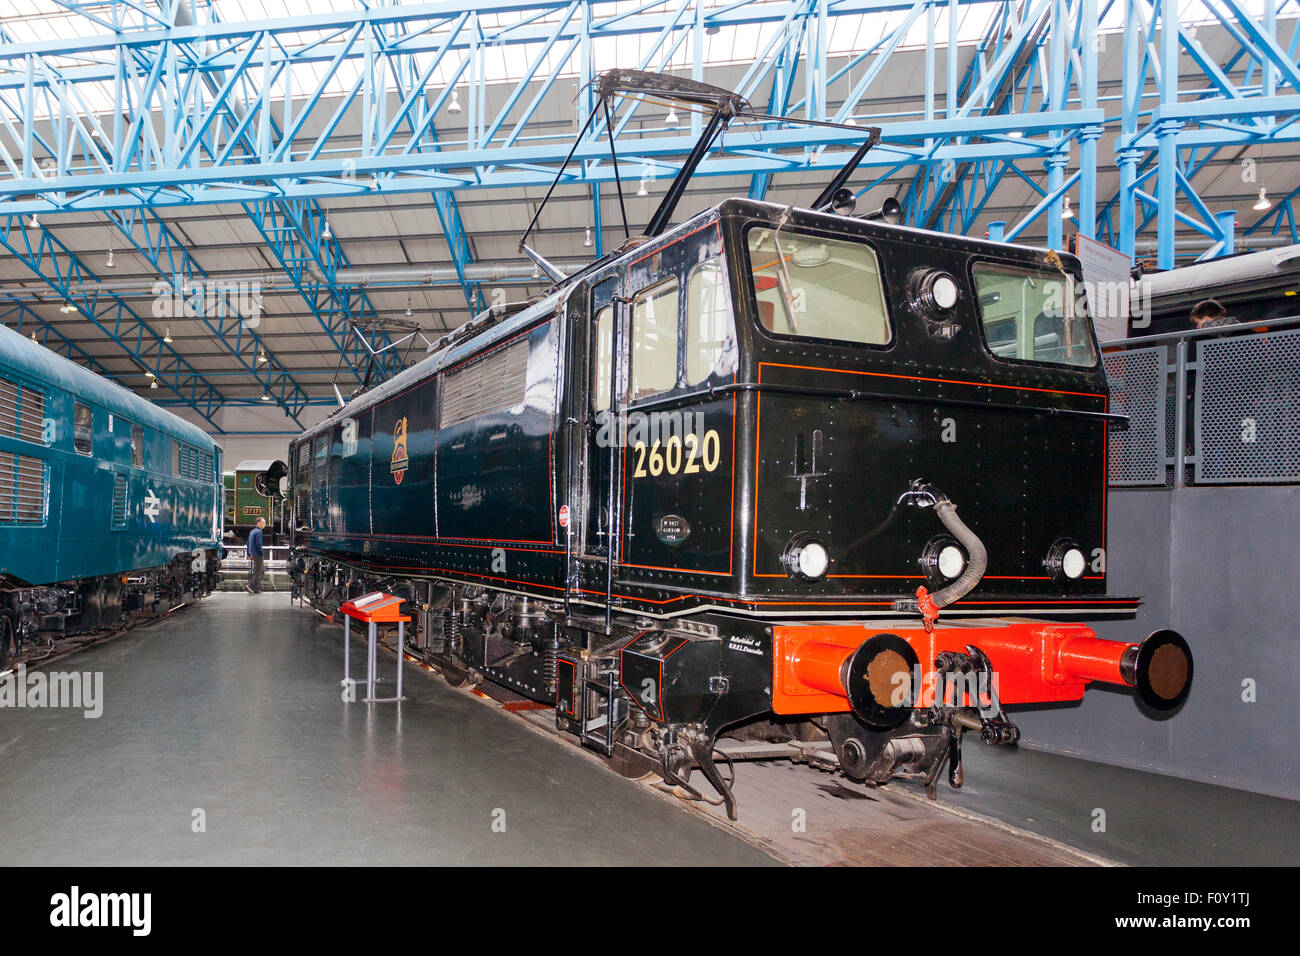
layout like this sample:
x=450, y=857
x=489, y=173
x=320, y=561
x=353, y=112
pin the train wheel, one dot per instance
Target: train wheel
x=632, y=769
x=458, y=677
x=6, y=637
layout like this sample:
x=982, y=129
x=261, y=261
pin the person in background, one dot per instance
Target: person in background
x=255, y=554
x=1210, y=314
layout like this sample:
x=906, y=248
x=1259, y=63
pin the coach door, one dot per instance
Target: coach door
x=676, y=493
x=601, y=401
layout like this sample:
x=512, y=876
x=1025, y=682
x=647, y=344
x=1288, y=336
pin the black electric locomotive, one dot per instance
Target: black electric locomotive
x=711, y=484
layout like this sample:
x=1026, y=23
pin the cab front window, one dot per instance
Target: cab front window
x=1033, y=315
x=818, y=288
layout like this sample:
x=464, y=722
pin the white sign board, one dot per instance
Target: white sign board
x=1108, y=279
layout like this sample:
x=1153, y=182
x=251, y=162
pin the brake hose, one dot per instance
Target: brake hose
x=922, y=494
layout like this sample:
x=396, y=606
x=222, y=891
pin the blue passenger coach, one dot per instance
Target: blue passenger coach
x=110, y=507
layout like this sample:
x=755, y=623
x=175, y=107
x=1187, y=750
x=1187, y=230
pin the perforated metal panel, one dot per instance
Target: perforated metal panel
x=485, y=385
x=1245, y=417
x=24, y=484
x=1137, y=455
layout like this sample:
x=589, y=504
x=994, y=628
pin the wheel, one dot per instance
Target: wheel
x=631, y=769
x=7, y=633
x=456, y=676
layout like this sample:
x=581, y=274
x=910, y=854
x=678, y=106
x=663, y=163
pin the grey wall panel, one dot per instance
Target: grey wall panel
x=1218, y=565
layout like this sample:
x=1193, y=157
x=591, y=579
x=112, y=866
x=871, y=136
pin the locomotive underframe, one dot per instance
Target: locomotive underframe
x=654, y=695
x=35, y=616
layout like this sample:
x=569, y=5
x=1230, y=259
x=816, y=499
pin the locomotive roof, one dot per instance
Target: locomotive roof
x=470, y=344
x=43, y=366
x=432, y=363
x=255, y=464
x=921, y=236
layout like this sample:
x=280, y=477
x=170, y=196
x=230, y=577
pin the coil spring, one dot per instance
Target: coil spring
x=549, y=665
x=451, y=629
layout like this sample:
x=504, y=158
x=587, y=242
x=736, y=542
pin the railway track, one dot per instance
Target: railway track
x=57, y=649
x=798, y=807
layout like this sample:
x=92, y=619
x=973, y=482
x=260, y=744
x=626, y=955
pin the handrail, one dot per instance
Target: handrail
x=1181, y=374
x=1217, y=330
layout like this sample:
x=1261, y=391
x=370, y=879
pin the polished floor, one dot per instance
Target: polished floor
x=229, y=715
x=1145, y=819
x=223, y=740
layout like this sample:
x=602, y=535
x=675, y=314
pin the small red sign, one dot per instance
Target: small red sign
x=564, y=516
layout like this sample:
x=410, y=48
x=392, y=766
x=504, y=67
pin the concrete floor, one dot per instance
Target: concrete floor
x=1150, y=819
x=233, y=708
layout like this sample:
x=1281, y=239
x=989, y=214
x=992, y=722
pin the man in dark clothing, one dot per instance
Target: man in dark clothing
x=255, y=555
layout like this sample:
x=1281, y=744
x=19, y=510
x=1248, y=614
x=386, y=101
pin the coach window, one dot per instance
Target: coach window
x=710, y=339
x=604, y=359
x=654, y=340
x=82, y=434
x=137, y=446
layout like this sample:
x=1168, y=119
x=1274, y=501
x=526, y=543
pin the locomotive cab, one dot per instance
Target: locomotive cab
x=777, y=379
x=784, y=412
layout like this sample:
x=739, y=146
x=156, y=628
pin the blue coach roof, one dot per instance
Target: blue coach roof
x=43, y=365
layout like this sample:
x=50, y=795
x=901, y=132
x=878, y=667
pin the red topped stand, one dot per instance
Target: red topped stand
x=377, y=608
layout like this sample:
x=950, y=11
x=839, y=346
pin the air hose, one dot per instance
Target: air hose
x=923, y=494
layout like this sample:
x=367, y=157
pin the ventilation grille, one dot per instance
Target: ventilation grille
x=118, y=521
x=24, y=484
x=22, y=412
x=486, y=385
x=192, y=463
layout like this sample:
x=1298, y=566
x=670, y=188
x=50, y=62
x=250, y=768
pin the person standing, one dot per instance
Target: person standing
x=255, y=554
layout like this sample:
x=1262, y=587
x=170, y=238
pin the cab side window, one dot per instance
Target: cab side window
x=137, y=446
x=710, y=339
x=654, y=340
x=82, y=432
x=604, y=359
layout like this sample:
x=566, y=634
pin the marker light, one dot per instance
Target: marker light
x=813, y=560
x=951, y=561
x=934, y=290
x=942, y=560
x=1072, y=564
x=944, y=290
x=806, y=558
x=1066, y=560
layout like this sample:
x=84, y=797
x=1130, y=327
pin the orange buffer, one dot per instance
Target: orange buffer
x=830, y=668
